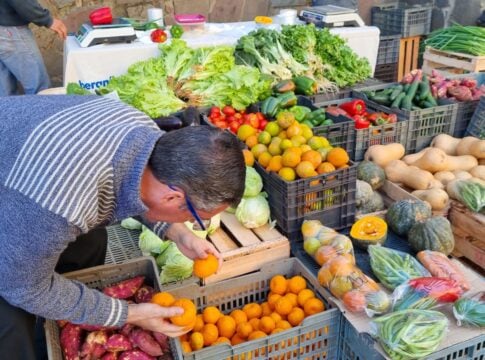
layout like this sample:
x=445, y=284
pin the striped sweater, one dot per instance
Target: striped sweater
x=68, y=164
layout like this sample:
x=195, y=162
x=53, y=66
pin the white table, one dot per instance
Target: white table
x=92, y=67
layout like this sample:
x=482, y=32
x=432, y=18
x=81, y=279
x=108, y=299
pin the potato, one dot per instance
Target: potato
x=124, y=289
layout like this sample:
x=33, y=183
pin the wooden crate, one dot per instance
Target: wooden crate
x=450, y=63
x=469, y=230
x=245, y=250
x=408, y=56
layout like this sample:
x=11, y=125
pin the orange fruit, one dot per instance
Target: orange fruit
x=222, y=340
x=282, y=135
x=312, y=156
x=311, y=228
x=277, y=285
x=189, y=315
x=297, y=284
x=248, y=157
x=227, y=326
x=264, y=159
x=343, y=166
x=266, y=324
x=239, y=316
x=258, y=149
x=211, y=314
x=256, y=335
x=264, y=137
x=275, y=164
x=324, y=254
x=236, y=339
x=285, y=119
x=294, y=129
x=244, y=329
x=184, y=337
x=285, y=144
x=210, y=333
x=283, y=324
x=163, y=299
x=341, y=266
x=186, y=347
x=340, y=285
x=293, y=298
x=245, y=131
x=313, y=306
x=196, y=341
x=199, y=323
x=274, y=148
x=253, y=310
x=275, y=316
x=304, y=295
x=296, y=316
x=325, y=167
x=272, y=298
x=354, y=300
x=337, y=157
x=266, y=309
x=287, y=173
x=283, y=306
x=291, y=157
x=206, y=267
x=254, y=323
x=305, y=169
x=298, y=140
x=272, y=128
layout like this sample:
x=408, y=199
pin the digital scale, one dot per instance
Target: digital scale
x=119, y=31
x=331, y=16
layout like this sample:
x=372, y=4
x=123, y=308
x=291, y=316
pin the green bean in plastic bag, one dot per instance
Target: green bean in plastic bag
x=470, y=310
x=411, y=333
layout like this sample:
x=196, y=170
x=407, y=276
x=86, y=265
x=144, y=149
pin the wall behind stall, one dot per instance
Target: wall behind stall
x=75, y=12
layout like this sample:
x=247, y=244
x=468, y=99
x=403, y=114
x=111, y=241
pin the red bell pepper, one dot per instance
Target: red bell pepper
x=354, y=107
x=158, y=36
x=391, y=118
x=360, y=122
x=441, y=289
x=101, y=16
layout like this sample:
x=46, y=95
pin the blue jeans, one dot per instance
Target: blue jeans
x=20, y=60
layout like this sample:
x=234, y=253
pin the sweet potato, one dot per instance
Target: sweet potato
x=135, y=355
x=110, y=356
x=118, y=342
x=126, y=329
x=124, y=289
x=93, y=347
x=163, y=340
x=142, y=339
x=96, y=327
x=70, y=340
x=144, y=294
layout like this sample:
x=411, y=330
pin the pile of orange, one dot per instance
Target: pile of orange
x=291, y=150
x=187, y=319
x=288, y=303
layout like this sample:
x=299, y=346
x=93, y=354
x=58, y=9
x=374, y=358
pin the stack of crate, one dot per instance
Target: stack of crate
x=387, y=58
x=411, y=23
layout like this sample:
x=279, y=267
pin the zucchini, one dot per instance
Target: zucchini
x=423, y=89
x=407, y=101
x=382, y=99
x=397, y=101
x=397, y=90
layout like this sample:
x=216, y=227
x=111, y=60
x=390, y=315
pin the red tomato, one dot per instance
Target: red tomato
x=230, y=119
x=260, y=116
x=228, y=110
x=221, y=124
x=234, y=126
x=238, y=116
x=215, y=110
x=262, y=124
x=254, y=121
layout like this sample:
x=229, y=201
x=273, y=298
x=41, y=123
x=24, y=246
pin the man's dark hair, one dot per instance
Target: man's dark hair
x=205, y=162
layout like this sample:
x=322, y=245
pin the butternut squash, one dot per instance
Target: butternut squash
x=383, y=154
x=481, y=161
x=436, y=184
x=409, y=159
x=462, y=175
x=471, y=146
x=446, y=143
x=444, y=176
x=478, y=172
x=434, y=160
x=411, y=176
x=437, y=198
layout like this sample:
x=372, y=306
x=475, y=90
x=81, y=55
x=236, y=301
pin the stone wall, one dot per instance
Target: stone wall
x=75, y=12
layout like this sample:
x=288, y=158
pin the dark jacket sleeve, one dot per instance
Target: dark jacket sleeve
x=31, y=11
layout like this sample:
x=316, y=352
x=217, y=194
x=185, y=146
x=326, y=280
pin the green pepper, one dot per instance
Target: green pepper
x=305, y=85
x=300, y=112
x=176, y=31
x=327, y=122
x=316, y=117
x=150, y=26
x=307, y=123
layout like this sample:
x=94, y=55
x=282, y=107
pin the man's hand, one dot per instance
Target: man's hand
x=59, y=27
x=154, y=317
x=190, y=244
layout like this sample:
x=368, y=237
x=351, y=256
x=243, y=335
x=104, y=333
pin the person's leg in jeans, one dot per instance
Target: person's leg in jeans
x=20, y=54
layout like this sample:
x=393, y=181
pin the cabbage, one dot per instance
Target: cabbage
x=253, y=211
x=131, y=224
x=175, y=265
x=149, y=242
x=253, y=184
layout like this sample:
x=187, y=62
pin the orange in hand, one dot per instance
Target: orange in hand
x=189, y=315
x=163, y=299
x=206, y=267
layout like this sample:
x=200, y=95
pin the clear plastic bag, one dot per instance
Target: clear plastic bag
x=410, y=334
x=393, y=267
x=425, y=293
x=470, y=310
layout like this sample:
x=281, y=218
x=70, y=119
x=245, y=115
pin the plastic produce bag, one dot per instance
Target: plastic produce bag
x=425, y=293
x=339, y=245
x=411, y=333
x=393, y=267
x=470, y=310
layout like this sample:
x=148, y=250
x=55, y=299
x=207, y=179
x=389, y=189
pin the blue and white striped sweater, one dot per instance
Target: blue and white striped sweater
x=67, y=165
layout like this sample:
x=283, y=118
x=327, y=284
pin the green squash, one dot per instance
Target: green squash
x=433, y=234
x=371, y=173
x=403, y=214
x=375, y=203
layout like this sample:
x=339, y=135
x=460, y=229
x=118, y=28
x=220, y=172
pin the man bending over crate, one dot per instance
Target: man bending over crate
x=69, y=164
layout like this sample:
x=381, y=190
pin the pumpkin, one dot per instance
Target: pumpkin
x=369, y=230
x=363, y=192
x=375, y=203
x=371, y=173
x=432, y=234
x=403, y=214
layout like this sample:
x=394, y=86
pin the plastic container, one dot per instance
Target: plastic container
x=343, y=92
x=423, y=124
x=476, y=127
x=407, y=21
x=122, y=245
x=315, y=336
x=387, y=72
x=99, y=277
x=388, y=52
x=191, y=22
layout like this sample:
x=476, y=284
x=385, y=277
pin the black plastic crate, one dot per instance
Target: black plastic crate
x=423, y=124
x=387, y=72
x=388, y=52
x=476, y=127
x=375, y=135
x=407, y=21
x=343, y=92
x=328, y=197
